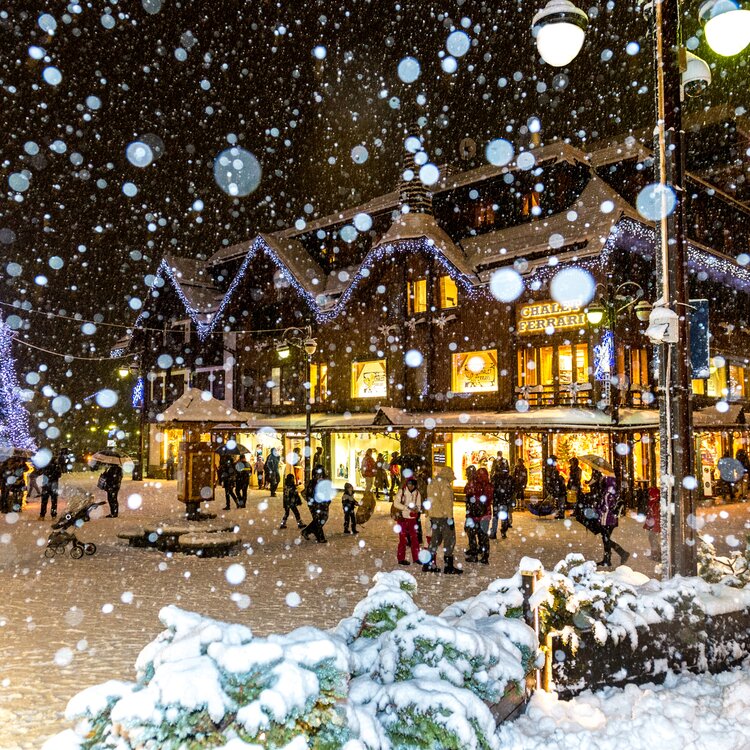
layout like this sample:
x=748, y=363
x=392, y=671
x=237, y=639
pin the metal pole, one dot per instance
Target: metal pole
x=675, y=418
x=308, y=420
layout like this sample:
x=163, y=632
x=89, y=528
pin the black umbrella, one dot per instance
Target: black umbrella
x=112, y=456
x=231, y=448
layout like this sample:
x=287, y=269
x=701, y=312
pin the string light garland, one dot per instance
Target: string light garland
x=14, y=419
x=139, y=393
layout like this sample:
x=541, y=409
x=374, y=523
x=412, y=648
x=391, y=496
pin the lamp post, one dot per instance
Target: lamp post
x=302, y=339
x=559, y=30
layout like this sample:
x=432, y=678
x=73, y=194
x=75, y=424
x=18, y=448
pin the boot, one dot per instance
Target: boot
x=471, y=558
x=485, y=559
x=605, y=563
x=449, y=568
x=430, y=567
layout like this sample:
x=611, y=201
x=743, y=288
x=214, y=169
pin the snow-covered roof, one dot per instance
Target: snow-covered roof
x=194, y=407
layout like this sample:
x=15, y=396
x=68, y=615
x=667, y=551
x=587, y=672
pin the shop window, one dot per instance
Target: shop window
x=699, y=387
x=542, y=370
x=716, y=385
x=573, y=364
x=448, y=293
x=275, y=386
x=736, y=382
x=417, y=293
x=484, y=215
x=531, y=204
x=318, y=383
x=475, y=372
x=369, y=379
x=639, y=367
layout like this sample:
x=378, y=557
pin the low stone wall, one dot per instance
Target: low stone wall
x=712, y=644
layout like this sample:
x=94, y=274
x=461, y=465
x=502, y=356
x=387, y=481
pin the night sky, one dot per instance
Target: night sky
x=190, y=78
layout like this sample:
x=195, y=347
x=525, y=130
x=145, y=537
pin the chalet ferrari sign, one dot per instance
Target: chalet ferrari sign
x=537, y=317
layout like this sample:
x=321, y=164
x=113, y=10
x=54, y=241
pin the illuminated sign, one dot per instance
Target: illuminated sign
x=369, y=379
x=475, y=372
x=539, y=316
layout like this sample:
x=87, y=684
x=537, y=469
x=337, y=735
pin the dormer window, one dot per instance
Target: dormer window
x=417, y=293
x=447, y=292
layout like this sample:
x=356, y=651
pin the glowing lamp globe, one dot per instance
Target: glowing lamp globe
x=595, y=314
x=559, y=29
x=726, y=25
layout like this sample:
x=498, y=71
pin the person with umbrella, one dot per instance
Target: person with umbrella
x=111, y=478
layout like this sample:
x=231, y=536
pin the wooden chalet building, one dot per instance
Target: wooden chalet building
x=414, y=351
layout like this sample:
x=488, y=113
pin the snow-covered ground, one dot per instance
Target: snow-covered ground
x=704, y=712
x=66, y=624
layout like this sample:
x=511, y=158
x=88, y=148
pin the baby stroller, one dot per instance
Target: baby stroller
x=59, y=539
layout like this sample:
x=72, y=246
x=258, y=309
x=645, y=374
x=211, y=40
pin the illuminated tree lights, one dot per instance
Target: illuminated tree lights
x=14, y=419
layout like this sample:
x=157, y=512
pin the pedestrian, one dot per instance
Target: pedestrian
x=272, y=471
x=368, y=469
x=34, y=478
x=555, y=487
x=291, y=501
x=381, y=475
x=297, y=464
x=408, y=504
x=439, y=503
x=50, y=486
x=395, y=471
x=608, y=512
x=520, y=481
x=502, y=488
x=242, y=472
x=318, y=502
x=260, y=470
x=110, y=481
x=318, y=458
x=170, y=465
x=653, y=523
x=575, y=480
x=227, y=479
x=349, y=504
x=479, y=495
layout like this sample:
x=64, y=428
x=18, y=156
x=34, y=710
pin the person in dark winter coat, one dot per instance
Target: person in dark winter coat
x=317, y=460
x=381, y=475
x=242, y=473
x=272, y=471
x=653, y=523
x=555, y=486
x=112, y=477
x=520, y=480
x=479, y=496
x=50, y=485
x=608, y=508
x=502, y=488
x=319, y=503
x=291, y=502
x=349, y=505
x=394, y=469
x=575, y=480
x=227, y=479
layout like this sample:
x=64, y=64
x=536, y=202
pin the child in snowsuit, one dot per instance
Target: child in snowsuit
x=349, y=504
x=291, y=501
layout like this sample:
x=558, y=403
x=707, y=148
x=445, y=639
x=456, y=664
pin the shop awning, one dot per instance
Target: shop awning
x=193, y=408
x=712, y=417
x=296, y=422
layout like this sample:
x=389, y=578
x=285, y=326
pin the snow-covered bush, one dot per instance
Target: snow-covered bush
x=390, y=676
x=731, y=571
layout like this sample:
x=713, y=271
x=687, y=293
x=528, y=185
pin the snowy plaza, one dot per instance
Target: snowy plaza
x=69, y=624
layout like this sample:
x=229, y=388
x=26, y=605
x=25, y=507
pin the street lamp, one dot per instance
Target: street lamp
x=726, y=24
x=301, y=338
x=559, y=29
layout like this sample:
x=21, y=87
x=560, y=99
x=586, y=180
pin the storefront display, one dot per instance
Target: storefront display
x=709, y=449
x=569, y=445
x=532, y=451
x=348, y=450
x=476, y=449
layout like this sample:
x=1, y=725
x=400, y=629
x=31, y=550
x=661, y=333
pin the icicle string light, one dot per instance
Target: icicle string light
x=139, y=392
x=14, y=419
x=604, y=356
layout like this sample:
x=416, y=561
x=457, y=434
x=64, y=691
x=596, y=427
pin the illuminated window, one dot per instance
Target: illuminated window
x=736, y=382
x=699, y=387
x=369, y=379
x=484, y=215
x=573, y=364
x=716, y=385
x=318, y=383
x=475, y=372
x=639, y=367
x=275, y=386
x=448, y=292
x=531, y=205
x=417, y=291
